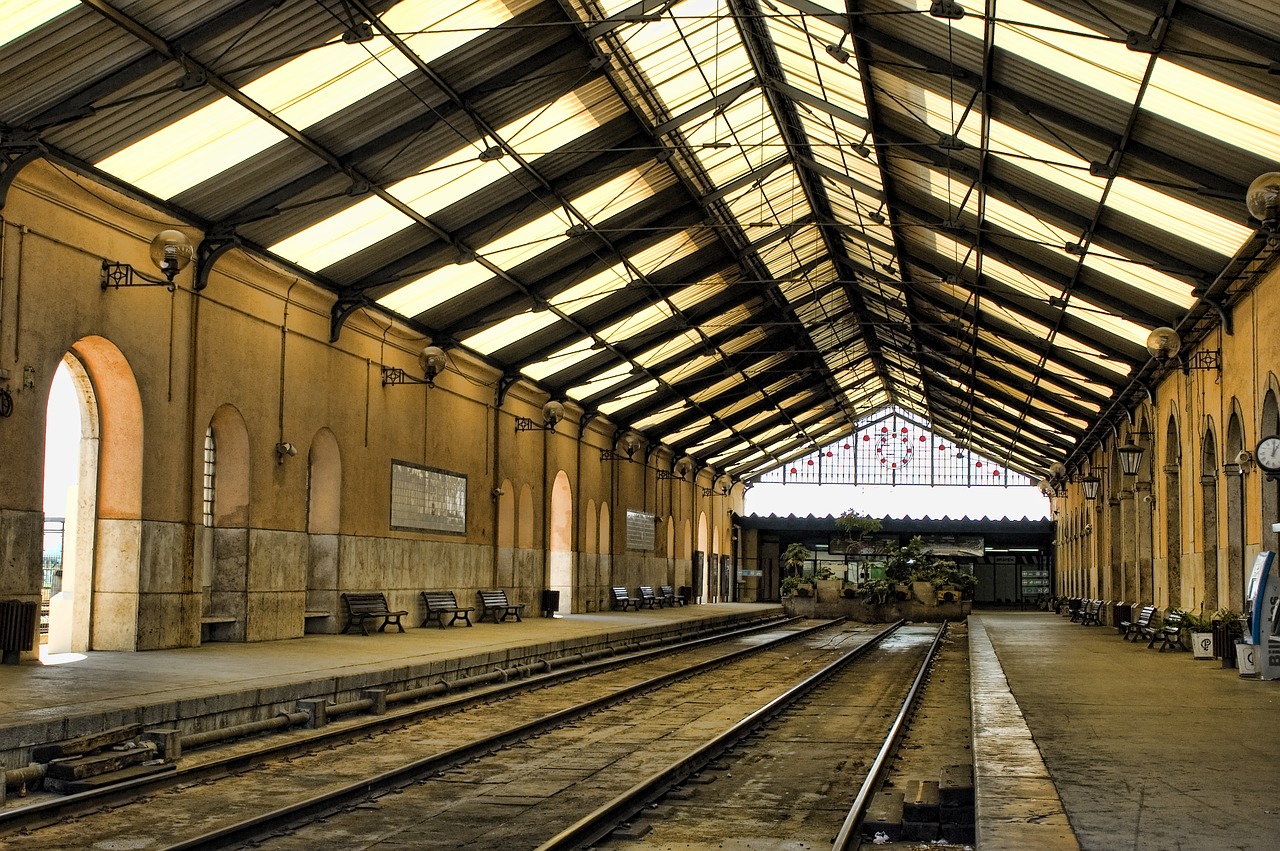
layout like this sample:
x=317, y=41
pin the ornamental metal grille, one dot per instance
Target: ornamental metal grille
x=894, y=449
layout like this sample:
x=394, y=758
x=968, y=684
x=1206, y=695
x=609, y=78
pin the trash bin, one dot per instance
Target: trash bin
x=1120, y=613
x=686, y=594
x=550, y=603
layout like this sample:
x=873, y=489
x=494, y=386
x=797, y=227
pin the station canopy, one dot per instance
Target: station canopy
x=738, y=228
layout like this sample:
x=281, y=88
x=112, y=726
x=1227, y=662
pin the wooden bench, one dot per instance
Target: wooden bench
x=669, y=595
x=441, y=603
x=1170, y=632
x=649, y=599
x=1091, y=613
x=364, y=607
x=621, y=599
x=1135, y=628
x=494, y=602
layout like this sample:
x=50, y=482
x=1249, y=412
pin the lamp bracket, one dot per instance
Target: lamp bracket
x=663, y=475
x=396, y=375
x=117, y=275
x=610, y=455
x=1204, y=359
x=529, y=424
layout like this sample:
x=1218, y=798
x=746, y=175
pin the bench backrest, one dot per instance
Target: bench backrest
x=668, y=591
x=620, y=593
x=493, y=599
x=440, y=599
x=1147, y=613
x=1173, y=621
x=646, y=591
x=362, y=604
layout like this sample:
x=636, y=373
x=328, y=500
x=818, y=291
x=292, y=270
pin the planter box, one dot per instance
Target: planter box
x=1247, y=658
x=1202, y=645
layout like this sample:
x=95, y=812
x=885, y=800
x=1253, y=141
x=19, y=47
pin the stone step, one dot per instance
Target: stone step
x=85, y=744
x=98, y=781
x=921, y=799
x=102, y=762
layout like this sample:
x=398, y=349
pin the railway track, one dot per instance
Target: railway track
x=502, y=768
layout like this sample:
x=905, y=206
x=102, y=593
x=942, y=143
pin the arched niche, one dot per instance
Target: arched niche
x=590, y=530
x=1208, y=596
x=226, y=599
x=1173, y=511
x=506, y=516
x=560, y=562
x=524, y=519
x=1237, y=509
x=119, y=600
x=324, y=521
x=1267, y=427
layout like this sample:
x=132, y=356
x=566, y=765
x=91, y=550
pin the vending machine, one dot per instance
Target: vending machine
x=1262, y=599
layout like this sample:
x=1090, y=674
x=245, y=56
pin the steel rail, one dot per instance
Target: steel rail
x=254, y=828
x=45, y=812
x=601, y=822
x=847, y=838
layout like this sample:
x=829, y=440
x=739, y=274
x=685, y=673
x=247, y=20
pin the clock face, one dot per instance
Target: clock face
x=1268, y=454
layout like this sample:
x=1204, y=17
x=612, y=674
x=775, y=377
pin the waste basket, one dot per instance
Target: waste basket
x=1120, y=613
x=550, y=603
x=686, y=594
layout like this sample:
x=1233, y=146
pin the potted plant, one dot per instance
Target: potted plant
x=876, y=591
x=1200, y=629
x=795, y=586
x=1228, y=628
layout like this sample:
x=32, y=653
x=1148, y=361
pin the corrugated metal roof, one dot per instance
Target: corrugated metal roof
x=867, y=206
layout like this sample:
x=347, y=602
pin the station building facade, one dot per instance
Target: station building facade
x=239, y=469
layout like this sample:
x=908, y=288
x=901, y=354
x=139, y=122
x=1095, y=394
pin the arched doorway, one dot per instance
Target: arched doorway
x=1173, y=513
x=226, y=514
x=700, y=560
x=1235, y=510
x=1270, y=425
x=560, y=543
x=324, y=513
x=1209, y=521
x=70, y=504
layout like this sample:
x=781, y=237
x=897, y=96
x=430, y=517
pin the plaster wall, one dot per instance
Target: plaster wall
x=256, y=341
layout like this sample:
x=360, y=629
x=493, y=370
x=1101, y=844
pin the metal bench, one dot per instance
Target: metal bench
x=364, y=607
x=1136, y=628
x=441, y=603
x=649, y=599
x=1091, y=613
x=1170, y=633
x=669, y=594
x=494, y=603
x=623, y=600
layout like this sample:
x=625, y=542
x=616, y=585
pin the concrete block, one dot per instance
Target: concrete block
x=955, y=785
x=317, y=708
x=168, y=742
x=884, y=815
x=920, y=801
x=919, y=831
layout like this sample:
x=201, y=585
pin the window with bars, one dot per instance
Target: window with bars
x=210, y=466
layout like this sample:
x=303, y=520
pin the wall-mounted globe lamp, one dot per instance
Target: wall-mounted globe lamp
x=1262, y=198
x=630, y=444
x=552, y=413
x=171, y=251
x=432, y=359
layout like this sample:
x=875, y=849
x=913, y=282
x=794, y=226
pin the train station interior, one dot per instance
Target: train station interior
x=309, y=301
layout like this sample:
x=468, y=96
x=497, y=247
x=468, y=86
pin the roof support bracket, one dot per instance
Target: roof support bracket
x=212, y=248
x=13, y=158
x=505, y=383
x=342, y=309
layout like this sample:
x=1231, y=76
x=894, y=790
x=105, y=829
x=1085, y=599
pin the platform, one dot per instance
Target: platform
x=1145, y=751
x=222, y=683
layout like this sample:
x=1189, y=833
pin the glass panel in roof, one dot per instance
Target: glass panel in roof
x=301, y=92
x=637, y=323
x=514, y=247
x=721, y=387
x=659, y=417
x=1159, y=284
x=753, y=400
x=561, y=359
x=456, y=176
x=22, y=16
x=632, y=396
x=688, y=431
x=1237, y=117
x=583, y=295
x=1177, y=216
x=684, y=341
x=601, y=381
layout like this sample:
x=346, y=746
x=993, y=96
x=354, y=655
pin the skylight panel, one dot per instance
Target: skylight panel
x=301, y=92
x=682, y=342
x=22, y=16
x=561, y=359
x=659, y=417
x=636, y=323
x=1178, y=217
x=517, y=246
x=632, y=396
x=1239, y=118
x=456, y=176
x=688, y=431
x=1157, y=283
x=601, y=382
